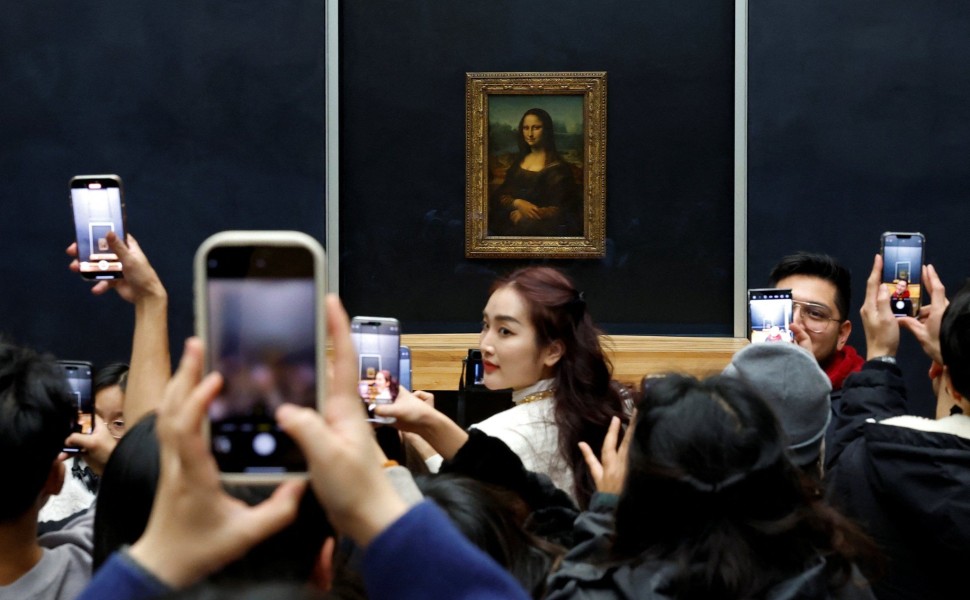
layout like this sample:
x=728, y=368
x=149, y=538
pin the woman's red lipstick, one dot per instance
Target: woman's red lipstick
x=489, y=367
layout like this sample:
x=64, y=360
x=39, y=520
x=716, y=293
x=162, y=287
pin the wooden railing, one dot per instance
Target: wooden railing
x=436, y=358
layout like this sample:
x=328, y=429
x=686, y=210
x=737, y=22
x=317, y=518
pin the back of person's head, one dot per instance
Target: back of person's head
x=955, y=340
x=492, y=518
x=789, y=379
x=128, y=494
x=111, y=374
x=822, y=266
x=37, y=413
x=710, y=489
x=586, y=398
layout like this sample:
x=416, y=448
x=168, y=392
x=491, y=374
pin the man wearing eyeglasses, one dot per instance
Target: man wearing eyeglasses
x=821, y=291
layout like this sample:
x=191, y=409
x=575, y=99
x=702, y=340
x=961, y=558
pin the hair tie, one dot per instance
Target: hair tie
x=577, y=305
x=713, y=488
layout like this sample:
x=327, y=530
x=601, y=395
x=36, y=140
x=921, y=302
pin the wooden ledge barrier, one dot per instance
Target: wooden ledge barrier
x=436, y=358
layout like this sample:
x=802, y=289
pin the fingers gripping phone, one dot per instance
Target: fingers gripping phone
x=902, y=269
x=769, y=313
x=99, y=208
x=260, y=311
x=377, y=341
x=78, y=373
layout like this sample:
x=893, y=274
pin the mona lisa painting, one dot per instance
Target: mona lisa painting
x=535, y=165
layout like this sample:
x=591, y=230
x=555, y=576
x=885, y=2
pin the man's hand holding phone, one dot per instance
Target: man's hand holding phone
x=926, y=327
x=878, y=320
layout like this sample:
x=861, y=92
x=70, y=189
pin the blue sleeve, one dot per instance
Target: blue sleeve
x=121, y=578
x=422, y=555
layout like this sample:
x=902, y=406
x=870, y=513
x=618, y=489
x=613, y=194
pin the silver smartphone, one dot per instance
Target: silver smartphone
x=377, y=341
x=259, y=308
x=99, y=208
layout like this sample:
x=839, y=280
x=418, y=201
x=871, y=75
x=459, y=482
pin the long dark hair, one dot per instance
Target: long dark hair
x=586, y=397
x=710, y=489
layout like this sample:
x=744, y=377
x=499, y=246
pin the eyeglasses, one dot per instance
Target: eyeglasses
x=116, y=428
x=815, y=317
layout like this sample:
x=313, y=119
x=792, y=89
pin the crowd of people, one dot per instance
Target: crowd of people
x=794, y=473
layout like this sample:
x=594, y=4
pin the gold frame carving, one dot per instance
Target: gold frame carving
x=479, y=242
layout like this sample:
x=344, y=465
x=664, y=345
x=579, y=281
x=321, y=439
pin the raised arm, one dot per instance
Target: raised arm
x=150, y=367
x=415, y=413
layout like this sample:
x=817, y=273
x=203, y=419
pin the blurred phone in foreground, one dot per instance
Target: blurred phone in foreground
x=260, y=311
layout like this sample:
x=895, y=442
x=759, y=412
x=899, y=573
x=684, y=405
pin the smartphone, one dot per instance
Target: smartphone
x=404, y=366
x=78, y=374
x=377, y=341
x=769, y=313
x=99, y=207
x=259, y=308
x=902, y=268
x=474, y=369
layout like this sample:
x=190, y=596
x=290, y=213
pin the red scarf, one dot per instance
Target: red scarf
x=842, y=364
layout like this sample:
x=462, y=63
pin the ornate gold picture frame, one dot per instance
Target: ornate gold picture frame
x=535, y=165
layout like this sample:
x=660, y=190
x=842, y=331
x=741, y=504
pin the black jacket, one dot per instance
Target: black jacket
x=587, y=572
x=907, y=481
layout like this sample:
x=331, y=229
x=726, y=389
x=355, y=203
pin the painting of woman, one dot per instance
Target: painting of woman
x=540, y=195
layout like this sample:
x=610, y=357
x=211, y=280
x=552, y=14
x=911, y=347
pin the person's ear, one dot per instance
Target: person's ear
x=553, y=352
x=55, y=478
x=844, y=330
x=949, y=396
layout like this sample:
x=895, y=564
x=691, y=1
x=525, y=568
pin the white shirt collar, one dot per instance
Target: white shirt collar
x=539, y=386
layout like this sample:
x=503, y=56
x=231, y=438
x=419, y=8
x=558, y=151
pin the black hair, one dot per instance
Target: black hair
x=493, y=519
x=822, y=266
x=955, y=340
x=127, y=494
x=115, y=373
x=37, y=413
x=710, y=489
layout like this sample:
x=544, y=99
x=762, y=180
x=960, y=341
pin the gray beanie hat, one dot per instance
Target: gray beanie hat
x=789, y=379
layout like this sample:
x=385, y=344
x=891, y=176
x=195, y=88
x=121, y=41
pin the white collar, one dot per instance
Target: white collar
x=539, y=386
x=954, y=424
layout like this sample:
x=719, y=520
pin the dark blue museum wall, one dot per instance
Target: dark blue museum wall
x=859, y=123
x=669, y=225
x=212, y=112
